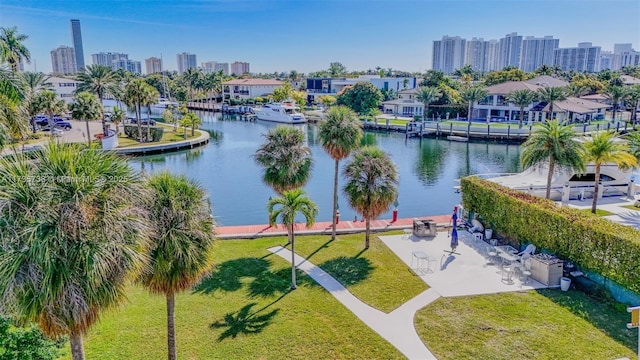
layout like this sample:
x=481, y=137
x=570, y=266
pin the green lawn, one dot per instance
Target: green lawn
x=242, y=310
x=600, y=212
x=168, y=136
x=548, y=324
x=376, y=276
x=631, y=207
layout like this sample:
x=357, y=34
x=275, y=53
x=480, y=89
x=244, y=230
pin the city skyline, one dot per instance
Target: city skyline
x=361, y=35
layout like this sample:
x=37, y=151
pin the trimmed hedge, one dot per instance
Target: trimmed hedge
x=131, y=131
x=607, y=248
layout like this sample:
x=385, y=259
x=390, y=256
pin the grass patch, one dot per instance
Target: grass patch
x=376, y=276
x=631, y=207
x=168, y=136
x=547, y=324
x=600, y=212
x=242, y=310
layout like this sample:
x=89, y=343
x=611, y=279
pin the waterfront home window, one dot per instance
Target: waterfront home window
x=325, y=86
x=502, y=101
x=488, y=100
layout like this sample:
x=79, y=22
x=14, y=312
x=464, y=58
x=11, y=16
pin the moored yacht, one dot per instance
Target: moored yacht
x=615, y=181
x=163, y=104
x=284, y=112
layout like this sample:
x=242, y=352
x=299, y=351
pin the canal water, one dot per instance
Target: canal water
x=427, y=168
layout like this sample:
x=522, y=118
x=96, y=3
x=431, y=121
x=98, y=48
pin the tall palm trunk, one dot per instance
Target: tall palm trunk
x=552, y=166
x=77, y=348
x=596, y=189
x=551, y=110
x=88, y=134
x=469, y=119
x=521, y=117
x=367, y=230
x=293, y=259
x=149, y=123
x=615, y=106
x=138, y=114
x=335, y=199
x=171, y=326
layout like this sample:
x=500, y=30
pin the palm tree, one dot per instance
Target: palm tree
x=372, y=184
x=12, y=50
x=117, y=117
x=59, y=266
x=550, y=95
x=285, y=208
x=181, y=245
x=49, y=103
x=99, y=80
x=12, y=119
x=428, y=95
x=521, y=98
x=137, y=94
x=150, y=97
x=285, y=158
x=340, y=133
x=601, y=148
x=86, y=107
x=634, y=98
x=555, y=144
x=36, y=81
x=11, y=84
x=471, y=95
x=615, y=94
x=576, y=90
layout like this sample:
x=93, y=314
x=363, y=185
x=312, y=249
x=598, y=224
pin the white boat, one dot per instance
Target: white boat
x=163, y=104
x=615, y=181
x=285, y=112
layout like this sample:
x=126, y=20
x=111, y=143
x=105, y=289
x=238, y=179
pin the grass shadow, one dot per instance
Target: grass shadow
x=348, y=271
x=244, y=322
x=227, y=275
x=608, y=317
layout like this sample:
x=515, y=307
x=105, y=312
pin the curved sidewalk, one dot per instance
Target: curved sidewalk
x=396, y=327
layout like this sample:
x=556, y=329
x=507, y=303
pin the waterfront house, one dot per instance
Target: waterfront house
x=249, y=88
x=317, y=87
x=407, y=104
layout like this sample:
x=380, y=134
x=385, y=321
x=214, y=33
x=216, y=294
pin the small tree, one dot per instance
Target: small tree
x=285, y=208
x=283, y=92
x=521, y=98
x=86, y=107
x=361, y=97
x=167, y=116
x=327, y=100
x=117, y=117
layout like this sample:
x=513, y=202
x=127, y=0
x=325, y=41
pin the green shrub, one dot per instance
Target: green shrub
x=35, y=136
x=131, y=131
x=599, y=245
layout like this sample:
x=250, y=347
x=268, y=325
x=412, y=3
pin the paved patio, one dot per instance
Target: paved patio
x=455, y=275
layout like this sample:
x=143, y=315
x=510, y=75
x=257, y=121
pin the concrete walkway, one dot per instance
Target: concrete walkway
x=396, y=327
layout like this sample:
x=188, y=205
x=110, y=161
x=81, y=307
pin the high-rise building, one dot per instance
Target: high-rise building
x=186, y=61
x=537, y=52
x=607, y=60
x=510, y=48
x=107, y=59
x=208, y=67
x=492, y=51
x=449, y=54
x=476, y=56
x=239, y=68
x=131, y=66
x=153, y=65
x=76, y=35
x=63, y=60
x=222, y=66
x=584, y=58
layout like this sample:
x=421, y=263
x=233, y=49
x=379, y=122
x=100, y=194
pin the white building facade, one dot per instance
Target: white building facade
x=153, y=65
x=249, y=88
x=63, y=60
x=449, y=54
x=537, y=52
x=65, y=88
x=584, y=58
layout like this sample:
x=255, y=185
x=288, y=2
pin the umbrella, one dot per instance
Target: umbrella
x=454, y=238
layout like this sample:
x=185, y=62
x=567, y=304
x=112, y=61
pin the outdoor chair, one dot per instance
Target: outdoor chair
x=492, y=255
x=527, y=252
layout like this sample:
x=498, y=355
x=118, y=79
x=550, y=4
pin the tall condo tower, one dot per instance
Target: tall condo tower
x=76, y=34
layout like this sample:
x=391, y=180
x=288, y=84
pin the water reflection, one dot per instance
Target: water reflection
x=427, y=170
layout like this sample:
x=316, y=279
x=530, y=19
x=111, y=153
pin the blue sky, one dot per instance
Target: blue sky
x=306, y=35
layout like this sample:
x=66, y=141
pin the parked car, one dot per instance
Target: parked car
x=58, y=123
x=143, y=121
